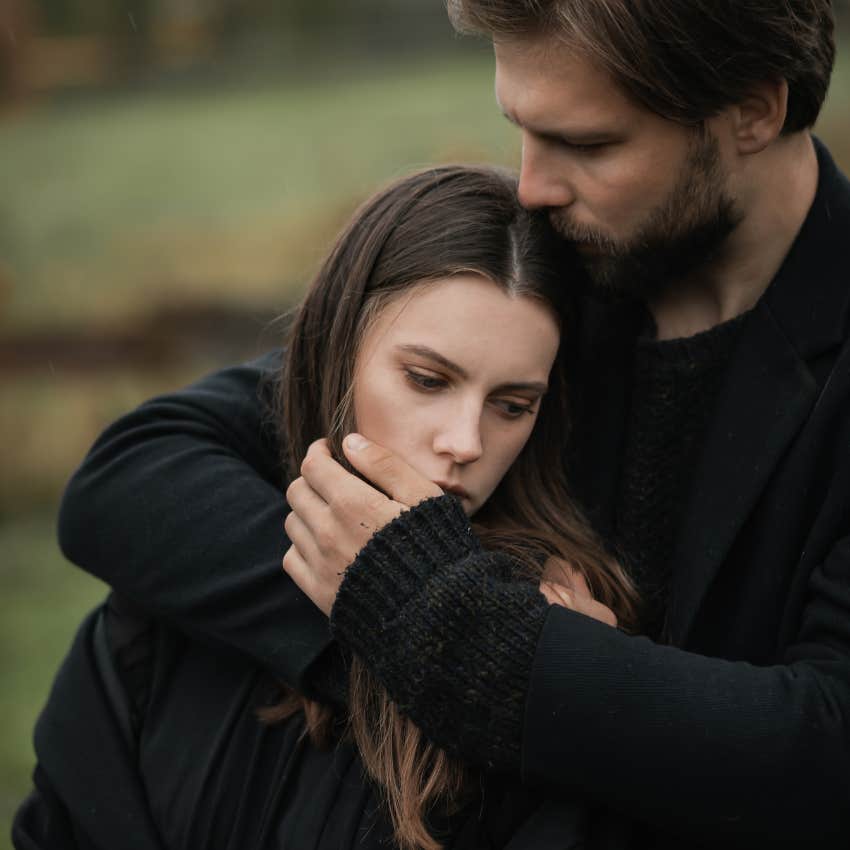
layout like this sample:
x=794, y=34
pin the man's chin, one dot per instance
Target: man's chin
x=616, y=280
x=588, y=251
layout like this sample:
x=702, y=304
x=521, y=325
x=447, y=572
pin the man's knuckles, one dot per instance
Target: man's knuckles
x=326, y=539
x=291, y=491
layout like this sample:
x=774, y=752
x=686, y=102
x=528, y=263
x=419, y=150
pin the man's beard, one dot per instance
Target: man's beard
x=679, y=236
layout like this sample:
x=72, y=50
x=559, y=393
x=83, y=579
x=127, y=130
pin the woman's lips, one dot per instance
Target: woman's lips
x=456, y=489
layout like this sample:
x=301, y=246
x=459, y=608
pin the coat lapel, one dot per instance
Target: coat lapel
x=767, y=396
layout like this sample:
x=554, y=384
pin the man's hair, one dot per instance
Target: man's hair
x=683, y=59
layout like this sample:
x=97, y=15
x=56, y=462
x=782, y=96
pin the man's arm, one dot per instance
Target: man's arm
x=729, y=753
x=736, y=754
x=179, y=507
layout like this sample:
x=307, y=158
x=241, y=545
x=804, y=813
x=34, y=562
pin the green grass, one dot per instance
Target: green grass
x=235, y=193
x=112, y=205
x=42, y=599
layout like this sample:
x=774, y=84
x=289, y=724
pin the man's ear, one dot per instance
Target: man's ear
x=759, y=118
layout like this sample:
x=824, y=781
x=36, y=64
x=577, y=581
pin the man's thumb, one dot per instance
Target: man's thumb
x=388, y=472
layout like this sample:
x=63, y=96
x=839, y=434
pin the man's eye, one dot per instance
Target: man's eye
x=579, y=147
x=424, y=381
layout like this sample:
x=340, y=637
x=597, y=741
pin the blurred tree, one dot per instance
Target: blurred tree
x=129, y=37
x=16, y=25
x=131, y=29
x=59, y=17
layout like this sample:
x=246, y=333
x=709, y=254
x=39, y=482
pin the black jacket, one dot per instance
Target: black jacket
x=735, y=736
x=161, y=747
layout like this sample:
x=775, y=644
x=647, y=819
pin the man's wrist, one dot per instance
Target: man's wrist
x=398, y=559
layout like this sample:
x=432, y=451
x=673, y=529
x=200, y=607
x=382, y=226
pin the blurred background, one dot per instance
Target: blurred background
x=171, y=172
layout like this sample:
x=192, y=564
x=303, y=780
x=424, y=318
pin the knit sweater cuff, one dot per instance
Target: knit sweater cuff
x=402, y=555
x=446, y=628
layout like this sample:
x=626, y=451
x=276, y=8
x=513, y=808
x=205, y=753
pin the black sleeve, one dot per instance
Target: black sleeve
x=179, y=506
x=42, y=821
x=447, y=628
x=739, y=754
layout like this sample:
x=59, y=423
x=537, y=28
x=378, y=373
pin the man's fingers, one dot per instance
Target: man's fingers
x=559, y=571
x=300, y=536
x=298, y=570
x=557, y=594
x=334, y=484
x=306, y=502
x=600, y=612
x=388, y=471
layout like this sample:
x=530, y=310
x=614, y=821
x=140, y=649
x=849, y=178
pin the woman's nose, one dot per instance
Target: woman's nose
x=460, y=439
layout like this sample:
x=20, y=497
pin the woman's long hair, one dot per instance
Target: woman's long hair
x=432, y=225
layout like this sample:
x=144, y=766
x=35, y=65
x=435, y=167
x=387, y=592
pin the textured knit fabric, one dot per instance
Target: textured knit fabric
x=675, y=385
x=461, y=615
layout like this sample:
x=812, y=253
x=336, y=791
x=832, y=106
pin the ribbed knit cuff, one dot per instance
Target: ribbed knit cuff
x=446, y=630
x=401, y=556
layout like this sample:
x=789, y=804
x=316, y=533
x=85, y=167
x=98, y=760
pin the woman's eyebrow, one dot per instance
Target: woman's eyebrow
x=435, y=356
x=430, y=354
x=523, y=386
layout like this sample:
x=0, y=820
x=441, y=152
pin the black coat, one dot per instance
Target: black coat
x=161, y=747
x=735, y=736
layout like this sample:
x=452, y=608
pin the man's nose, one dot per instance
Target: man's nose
x=542, y=183
x=461, y=439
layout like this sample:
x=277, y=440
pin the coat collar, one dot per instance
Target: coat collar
x=810, y=295
x=768, y=393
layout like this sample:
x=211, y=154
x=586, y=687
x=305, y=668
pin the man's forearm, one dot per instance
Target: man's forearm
x=179, y=506
x=692, y=744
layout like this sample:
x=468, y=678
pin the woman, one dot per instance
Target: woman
x=400, y=303
x=434, y=326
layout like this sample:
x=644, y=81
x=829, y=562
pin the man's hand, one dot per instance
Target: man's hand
x=334, y=513
x=563, y=585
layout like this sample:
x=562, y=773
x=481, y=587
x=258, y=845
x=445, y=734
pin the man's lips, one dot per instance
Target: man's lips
x=453, y=488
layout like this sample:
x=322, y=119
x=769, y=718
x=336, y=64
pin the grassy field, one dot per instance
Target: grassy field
x=110, y=207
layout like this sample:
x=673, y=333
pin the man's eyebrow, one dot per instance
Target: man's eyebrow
x=429, y=353
x=561, y=134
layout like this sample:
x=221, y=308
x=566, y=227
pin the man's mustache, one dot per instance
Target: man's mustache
x=581, y=234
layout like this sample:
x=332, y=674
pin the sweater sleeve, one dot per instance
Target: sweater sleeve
x=446, y=627
x=494, y=675
x=179, y=506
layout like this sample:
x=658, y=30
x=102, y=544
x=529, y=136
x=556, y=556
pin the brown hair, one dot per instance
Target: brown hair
x=431, y=225
x=683, y=59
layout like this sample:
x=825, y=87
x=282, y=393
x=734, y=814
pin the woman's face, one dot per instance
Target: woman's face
x=450, y=377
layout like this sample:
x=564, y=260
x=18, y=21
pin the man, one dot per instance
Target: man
x=670, y=140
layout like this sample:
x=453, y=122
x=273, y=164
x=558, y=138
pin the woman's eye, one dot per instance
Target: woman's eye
x=424, y=381
x=514, y=409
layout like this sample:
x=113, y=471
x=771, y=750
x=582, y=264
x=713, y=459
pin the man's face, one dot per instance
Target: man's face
x=643, y=198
